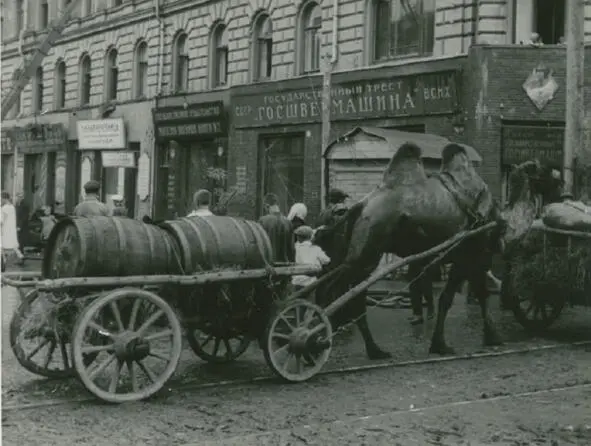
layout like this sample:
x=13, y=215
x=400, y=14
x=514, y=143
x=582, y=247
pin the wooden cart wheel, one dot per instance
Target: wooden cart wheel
x=40, y=335
x=534, y=312
x=298, y=340
x=215, y=349
x=138, y=339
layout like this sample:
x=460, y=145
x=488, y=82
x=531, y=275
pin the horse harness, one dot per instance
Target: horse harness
x=463, y=201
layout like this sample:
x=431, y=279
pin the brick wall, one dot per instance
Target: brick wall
x=493, y=93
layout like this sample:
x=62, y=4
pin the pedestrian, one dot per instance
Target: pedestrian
x=9, y=231
x=279, y=230
x=306, y=253
x=336, y=208
x=297, y=215
x=201, y=202
x=91, y=206
x=119, y=208
x=22, y=220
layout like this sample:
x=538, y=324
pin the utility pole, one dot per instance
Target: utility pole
x=575, y=52
x=326, y=116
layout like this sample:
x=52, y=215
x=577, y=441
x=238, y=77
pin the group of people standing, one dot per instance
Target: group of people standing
x=292, y=238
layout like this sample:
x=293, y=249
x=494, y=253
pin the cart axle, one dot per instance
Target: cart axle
x=130, y=347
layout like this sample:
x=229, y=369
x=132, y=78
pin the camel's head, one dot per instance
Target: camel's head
x=532, y=179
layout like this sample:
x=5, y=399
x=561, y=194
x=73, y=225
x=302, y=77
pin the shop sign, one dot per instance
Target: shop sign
x=38, y=138
x=118, y=158
x=524, y=143
x=424, y=94
x=101, y=134
x=195, y=120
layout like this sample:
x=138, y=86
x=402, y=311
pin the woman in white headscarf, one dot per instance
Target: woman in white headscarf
x=297, y=215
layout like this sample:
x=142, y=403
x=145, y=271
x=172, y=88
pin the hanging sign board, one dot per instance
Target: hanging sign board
x=118, y=159
x=101, y=134
x=143, y=179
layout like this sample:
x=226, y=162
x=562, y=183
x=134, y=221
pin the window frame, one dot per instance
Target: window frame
x=85, y=80
x=43, y=14
x=426, y=41
x=305, y=59
x=111, y=75
x=140, y=67
x=218, y=53
x=17, y=107
x=262, y=41
x=180, y=66
x=60, y=84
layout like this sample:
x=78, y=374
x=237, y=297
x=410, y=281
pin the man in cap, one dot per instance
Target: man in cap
x=119, y=209
x=336, y=207
x=91, y=206
x=201, y=202
x=279, y=229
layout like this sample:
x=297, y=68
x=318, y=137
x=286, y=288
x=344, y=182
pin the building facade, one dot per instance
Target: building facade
x=226, y=93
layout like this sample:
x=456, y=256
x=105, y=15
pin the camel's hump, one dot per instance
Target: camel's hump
x=405, y=167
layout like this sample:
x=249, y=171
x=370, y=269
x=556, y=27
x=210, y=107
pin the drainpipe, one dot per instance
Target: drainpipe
x=160, y=46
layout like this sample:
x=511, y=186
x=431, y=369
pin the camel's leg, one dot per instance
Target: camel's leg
x=372, y=349
x=446, y=299
x=427, y=283
x=416, y=293
x=480, y=288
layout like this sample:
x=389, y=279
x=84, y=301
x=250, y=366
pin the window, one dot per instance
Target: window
x=219, y=55
x=85, y=80
x=44, y=14
x=282, y=159
x=403, y=28
x=141, y=69
x=20, y=18
x=60, y=85
x=38, y=91
x=262, y=51
x=112, y=75
x=16, y=109
x=310, y=38
x=180, y=64
x=549, y=20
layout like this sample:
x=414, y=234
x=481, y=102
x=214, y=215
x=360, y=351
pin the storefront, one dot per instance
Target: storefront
x=108, y=157
x=42, y=149
x=192, y=153
x=277, y=126
x=516, y=108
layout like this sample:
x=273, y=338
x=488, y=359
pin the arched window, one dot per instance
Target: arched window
x=219, y=55
x=141, y=70
x=262, y=51
x=60, y=85
x=111, y=75
x=38, y=90
x=309, y=38
x=180, y=66
x=402, y=28
x=85, y=79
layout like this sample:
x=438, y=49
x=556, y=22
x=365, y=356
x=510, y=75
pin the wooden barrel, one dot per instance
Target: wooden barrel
x=207, y=243
x=108, y=246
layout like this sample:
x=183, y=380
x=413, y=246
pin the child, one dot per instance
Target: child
x=307, y=254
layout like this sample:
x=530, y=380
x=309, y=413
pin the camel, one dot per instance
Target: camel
x=410, y=213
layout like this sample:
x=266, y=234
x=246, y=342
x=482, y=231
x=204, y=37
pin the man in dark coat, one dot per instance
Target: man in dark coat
x=279, y=229
x=336, y=208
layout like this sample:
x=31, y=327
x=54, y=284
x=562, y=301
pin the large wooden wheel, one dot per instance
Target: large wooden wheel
x=138, y=339
x=217, y=349
x=298, y=341
x=40, y=335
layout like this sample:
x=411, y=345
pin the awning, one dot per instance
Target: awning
x=374, y=143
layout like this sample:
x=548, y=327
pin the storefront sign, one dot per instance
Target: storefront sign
x=101, y=134
x=523, y=143
x=38, y=138
x=179, y=123
x=118, y=159
x=424, y=94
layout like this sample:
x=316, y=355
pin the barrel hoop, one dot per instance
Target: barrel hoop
x=216, y=235
x=260, y=242
x=204, y=249
x=187, y=258
x=122, y=241
x=241, y=231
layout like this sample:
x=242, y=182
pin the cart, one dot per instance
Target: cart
x=122, y=336
x=549, y=269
